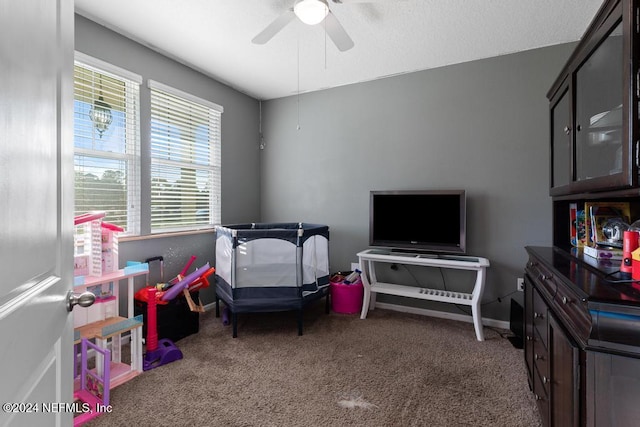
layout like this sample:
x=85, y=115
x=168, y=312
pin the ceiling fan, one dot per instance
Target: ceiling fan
x=312, y=12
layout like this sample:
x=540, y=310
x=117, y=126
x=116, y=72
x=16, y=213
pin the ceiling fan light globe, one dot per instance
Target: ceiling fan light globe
x=311, y=12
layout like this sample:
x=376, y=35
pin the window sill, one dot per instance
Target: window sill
x=166, y=234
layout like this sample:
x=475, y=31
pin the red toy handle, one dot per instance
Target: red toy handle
x=186, y=267
x=152, y=327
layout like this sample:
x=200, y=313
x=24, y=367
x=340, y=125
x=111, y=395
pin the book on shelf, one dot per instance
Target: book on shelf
x=596, y=216
x=577, y=226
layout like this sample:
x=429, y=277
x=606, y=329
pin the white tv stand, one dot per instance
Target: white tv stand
x=372, y=286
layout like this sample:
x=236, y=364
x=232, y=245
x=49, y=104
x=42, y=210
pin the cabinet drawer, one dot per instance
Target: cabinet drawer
x=541, y=359
x=616, y=327
x=540, y=318
x=542, y=399
x=573, y=311
x=543, y=278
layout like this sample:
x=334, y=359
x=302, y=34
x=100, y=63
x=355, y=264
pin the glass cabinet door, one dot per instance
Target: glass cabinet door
x=599, y=97
x=561, y=141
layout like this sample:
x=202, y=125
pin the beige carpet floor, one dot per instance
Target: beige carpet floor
x=392, y=369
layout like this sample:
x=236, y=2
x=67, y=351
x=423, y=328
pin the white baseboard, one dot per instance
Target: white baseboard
x=441, y=314
x=423, y=312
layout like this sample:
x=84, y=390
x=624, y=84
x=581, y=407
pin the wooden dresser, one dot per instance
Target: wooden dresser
x=582, y=324
x=582, y=346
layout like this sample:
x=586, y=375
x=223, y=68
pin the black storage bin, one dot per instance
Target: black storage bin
x=175, y=320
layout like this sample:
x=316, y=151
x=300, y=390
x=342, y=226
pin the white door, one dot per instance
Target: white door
x=36, y=211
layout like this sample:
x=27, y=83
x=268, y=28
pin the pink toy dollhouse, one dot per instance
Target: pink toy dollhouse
x=96, y=245
x=93, y=387
x=96, y=270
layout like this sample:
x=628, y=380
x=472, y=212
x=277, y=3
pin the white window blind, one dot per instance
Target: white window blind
x=107, y=160
x=185, y=160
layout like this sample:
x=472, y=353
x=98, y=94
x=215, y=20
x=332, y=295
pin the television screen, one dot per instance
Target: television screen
x=430, y=221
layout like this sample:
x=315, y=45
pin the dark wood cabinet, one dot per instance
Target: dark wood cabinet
x=582, y=346
x=551, y=355
x=594, y=107
x=564, y=377
x=582, y=318
x=535, y=347
x=561, y=141
x=612, y=396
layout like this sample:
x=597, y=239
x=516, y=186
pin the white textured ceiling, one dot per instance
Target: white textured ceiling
x=391, y=36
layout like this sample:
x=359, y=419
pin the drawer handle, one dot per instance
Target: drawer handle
x=532, y=263
x=538, y=315
x=529, y=338
x=545, y=277
x=565, y=300
x=538, y=357
x=538, y=397
x=545, y=380
x=567, y=130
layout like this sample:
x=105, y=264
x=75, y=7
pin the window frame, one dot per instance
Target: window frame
x=132, y=157
x=214, y=133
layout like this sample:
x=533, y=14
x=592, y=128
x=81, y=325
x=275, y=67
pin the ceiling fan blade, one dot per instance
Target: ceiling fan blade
x=337, y=33
x=272, y=29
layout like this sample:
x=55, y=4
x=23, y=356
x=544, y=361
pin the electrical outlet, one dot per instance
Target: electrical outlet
x=520, y=284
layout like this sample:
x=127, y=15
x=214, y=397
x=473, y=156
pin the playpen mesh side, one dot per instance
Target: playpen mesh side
x=266, y=262
x=315, y=263
x=224, y=253
x=272, y=258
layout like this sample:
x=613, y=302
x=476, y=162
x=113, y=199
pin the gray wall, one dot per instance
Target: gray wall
x=240, y=154
x=482, y=126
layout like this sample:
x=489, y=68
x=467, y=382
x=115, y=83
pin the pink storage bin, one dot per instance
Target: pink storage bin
x=346, y=299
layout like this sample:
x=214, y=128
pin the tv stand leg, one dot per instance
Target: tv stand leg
x=478, y=291
x=477, y=322
x=367, y=277
x=366, y=299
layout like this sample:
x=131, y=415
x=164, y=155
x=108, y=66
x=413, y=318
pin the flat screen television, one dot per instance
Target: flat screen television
x=432, y=221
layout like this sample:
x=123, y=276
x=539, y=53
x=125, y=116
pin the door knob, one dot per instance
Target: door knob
x=84, y=299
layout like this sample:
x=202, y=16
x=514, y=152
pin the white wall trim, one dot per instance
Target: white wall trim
x=442, y=315
x=104, y=66
x=501, y=324
x=152, y=84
